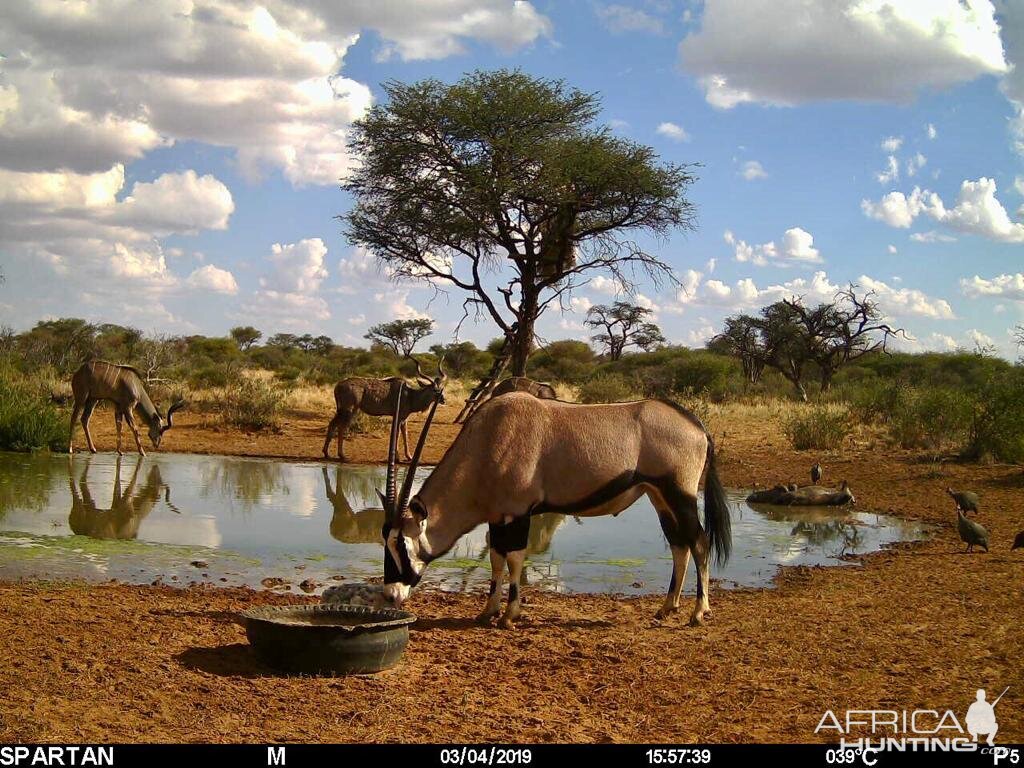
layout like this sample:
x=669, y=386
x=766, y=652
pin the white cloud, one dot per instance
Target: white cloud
x=622, y=18
x=932, y=236
x=915, y=163
x=752, y=51
x=395, y=305
x=1004, y=286
x=906, y=301
x=183, y=203
x=359, y=319
x=891, y=249
x=298, y=267
x=752, y=169
x=605, y=285
x=797, y=248
x=211, y=278
x=891, y=172
x=892, y=144
x=580, y=304
x=1018, y=184
x=672, y=131
x=930, y=131
x=980, y=339
x=701, y=335
x=977, y=211
x=295, y=311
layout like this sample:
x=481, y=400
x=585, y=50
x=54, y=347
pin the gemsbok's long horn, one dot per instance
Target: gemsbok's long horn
x=391, y=482
x=403, y=499
x=170, y=415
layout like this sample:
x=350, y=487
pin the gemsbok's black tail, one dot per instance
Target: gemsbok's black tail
x=717, y=524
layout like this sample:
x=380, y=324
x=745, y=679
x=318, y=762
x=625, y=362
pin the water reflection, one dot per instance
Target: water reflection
x=127, y=509
x=251, y=518
x=347, y=525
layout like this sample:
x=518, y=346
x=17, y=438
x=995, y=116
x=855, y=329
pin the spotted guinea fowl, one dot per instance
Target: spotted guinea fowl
x=971, y=533
x=965, y=500
x=1018, y=542
x=816, y=473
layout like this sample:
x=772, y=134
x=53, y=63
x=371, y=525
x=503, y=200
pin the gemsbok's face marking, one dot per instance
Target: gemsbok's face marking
x=403, y=563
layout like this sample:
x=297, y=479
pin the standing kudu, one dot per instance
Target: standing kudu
x=122, y=385
x=520, y=456
x=379, y=397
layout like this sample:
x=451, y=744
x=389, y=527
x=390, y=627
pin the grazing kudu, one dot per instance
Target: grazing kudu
x=122, y=385
x=520, y=456
x=378, y=397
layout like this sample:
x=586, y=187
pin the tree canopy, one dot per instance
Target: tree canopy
x=504, y=187
x=623, y=325
x=401, y=336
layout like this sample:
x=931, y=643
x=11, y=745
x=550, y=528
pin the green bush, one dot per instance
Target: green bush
x=608, y=388
x=28, y=419
x=253, y=404
x=997, y=424
x=932, y=418
x=818, y=428
x=212, y=375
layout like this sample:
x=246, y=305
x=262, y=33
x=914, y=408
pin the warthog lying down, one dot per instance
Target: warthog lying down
x=807, y=496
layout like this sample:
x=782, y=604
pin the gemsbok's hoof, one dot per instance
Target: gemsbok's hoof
x=506, y=623
x=663, y=613
x=484, y=619
x=698, y=619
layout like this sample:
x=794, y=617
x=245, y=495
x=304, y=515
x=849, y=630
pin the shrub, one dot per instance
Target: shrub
x=211, y=375
x=608, y=388
x=997, y=423
x=818, y=427
x=253, y=404
x=931, y=418
x=28, y=418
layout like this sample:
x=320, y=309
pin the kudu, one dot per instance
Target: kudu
x=521, y=456
x=379, y=397
x=122, y=385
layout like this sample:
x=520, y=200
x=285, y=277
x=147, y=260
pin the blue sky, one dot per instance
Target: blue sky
x=173, y=165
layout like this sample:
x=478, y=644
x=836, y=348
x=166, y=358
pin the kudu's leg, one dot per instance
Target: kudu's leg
x=90, y=405
x=130, y=418
x=333, y=425
x=346, y=419
x=680, y=554
x=493, y=605
x=75, y=412
x=118, y=417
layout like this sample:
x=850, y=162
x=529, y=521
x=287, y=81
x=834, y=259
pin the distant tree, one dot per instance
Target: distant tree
x=505, y=187
x=623, y=325
x=463, y=359
x=245, y=336
x=401, y=336
x=321, y=345
x=793, y=338
x=741, y=339
x=63, y=344
x=156, y=353
x=284, y=341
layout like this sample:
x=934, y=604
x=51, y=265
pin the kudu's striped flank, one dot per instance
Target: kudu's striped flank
x=122, y=385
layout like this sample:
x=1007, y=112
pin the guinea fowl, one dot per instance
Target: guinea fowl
x=816, y=473
x=1018, y=543
x=971, y=533
x=965, y=500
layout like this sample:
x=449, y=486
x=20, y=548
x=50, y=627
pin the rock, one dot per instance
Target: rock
x=355, y=594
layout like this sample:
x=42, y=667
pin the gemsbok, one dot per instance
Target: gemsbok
x=122, y=385
x=378, y=397
x=520, y=456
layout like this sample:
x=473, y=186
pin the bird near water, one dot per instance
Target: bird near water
x=971, y=533
x=816, y=473
x=965, y=500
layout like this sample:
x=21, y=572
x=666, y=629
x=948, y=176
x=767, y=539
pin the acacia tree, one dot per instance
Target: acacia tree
x=792, y=337
x=503, y=187
x=623, y=325
x=245, y=336
x=401, y=336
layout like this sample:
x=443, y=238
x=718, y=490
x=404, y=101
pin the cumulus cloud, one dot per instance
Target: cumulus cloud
x=892, y=144
x=298, y=267
x=672, y=131
x=1004, y=286
x=891, y=172
x=745, y=294
x=796, y=247
x=751, y=51
x=622, y=18
x=752, y=169
x=977, y=211
x=211, y=278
